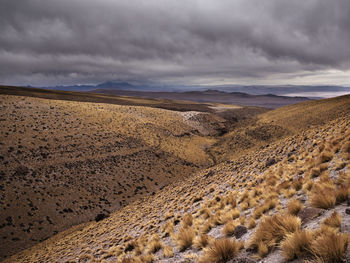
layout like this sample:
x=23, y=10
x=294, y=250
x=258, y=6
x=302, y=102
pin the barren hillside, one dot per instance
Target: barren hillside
x=284, y=200
x=65, y=160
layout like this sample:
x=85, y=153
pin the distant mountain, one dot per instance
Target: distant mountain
x=211, y=95
x=283, y=90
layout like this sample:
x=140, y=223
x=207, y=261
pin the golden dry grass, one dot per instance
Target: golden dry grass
x=323, y=196
x=297, y=244
x=221, y=250
x=207, y=200
x=271, y=230
x=330, y=247
x=334, y=220
x=184, y=238
x=294, y=206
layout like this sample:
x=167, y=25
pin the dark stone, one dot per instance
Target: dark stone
x=309, y=213
x=210, y=173
x=100, y=217
x=240, y=231
x=129, y=247
x=348, y=202
x=21, y=171
x=347, y=211
x=270, y=161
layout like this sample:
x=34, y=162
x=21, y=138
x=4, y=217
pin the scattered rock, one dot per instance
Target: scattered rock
x=21, y=171
x=210, y=173
x=100, y=217
x=270, y=161
x=309, y=213
x=240, y=231
x=347, y=211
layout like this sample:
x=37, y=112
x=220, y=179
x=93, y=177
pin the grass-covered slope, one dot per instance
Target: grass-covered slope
x=284, y=201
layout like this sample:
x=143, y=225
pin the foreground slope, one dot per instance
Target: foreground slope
x=286, y=200
x=68, y=157
x=64, y=162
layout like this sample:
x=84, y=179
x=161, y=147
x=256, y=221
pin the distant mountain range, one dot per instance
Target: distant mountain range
x=211, y=96
x=285, y=90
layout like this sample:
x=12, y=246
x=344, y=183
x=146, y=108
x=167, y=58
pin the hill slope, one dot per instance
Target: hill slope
x=66, y=157
x=304, y=176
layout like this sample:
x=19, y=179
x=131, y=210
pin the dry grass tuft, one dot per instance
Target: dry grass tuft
x=229, y=228
x=315, y=172
x=325, y=156
x=222, y=250
x=342, y=193
x=184, y=238
x=263, y=250
x=201, y=241
x=154, y=246
x=187, y=220
x=168, y=252
x=271, y=230
x=298, y=183
x=251, y=223
x=297, y=244
x=333, y=221
x=346, y=148
x=330, y=247
x=322, y=196
x=294, y=206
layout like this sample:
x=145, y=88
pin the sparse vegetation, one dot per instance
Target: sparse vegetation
x=297, y=244
x=271, y=230
x=330, y=247
x=185, y=238
x=294, y=206
x=221, y=250
x=254, y=195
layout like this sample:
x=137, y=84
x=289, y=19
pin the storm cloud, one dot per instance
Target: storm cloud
x=48, y=42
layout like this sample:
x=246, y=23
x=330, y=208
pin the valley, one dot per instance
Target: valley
x=150, y=165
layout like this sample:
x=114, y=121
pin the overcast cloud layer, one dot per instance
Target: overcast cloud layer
x=48, y=42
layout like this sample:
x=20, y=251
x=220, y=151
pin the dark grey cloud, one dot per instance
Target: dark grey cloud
x=199, y=41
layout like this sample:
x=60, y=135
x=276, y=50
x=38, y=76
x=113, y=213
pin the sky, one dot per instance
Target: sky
x=205, y=42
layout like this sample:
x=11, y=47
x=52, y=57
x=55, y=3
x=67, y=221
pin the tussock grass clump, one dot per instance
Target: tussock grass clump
x=201, y=241
x=221, y=250
x=251, y=223
x=206, y=228
x=229, y=228
x=154, y=246
x=205, y=213
x=315, y=172
x=231, y=200
x=344, y=178
x=187, y=220
x=297, y=244
x=289, y=193
x=322, y=196
x=235, y=213
x=346, y=148
x=330, y=247
x=168, y=252
x=267, y=205
x=271, y=230
x=297, y=183
x=294, y=206
x=342, y=193
x=146, y=258
x=184, y=238
x=334, y=220
x=325, y=156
